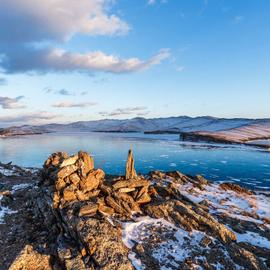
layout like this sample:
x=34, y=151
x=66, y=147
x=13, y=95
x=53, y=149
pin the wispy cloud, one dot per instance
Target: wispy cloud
x=139, y=110
x=63, y=92
x=152, y=2
x=83, y=93
x=237, y=19
x=67, y=104
x=11, y=103
x=35, y=117
x=3, y=81
x=180, y=68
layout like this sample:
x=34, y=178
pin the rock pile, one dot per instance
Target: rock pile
x=76, y=180
x=88, y=213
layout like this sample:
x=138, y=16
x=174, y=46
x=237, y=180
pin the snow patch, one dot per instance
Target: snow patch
x=168, y=251
x=4, y=211
x=7, y=172
x=20, y=187
x=254, y=239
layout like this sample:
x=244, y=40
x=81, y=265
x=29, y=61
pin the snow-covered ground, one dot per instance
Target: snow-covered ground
x=12, y=171
x=255, y=207
x=172, y=246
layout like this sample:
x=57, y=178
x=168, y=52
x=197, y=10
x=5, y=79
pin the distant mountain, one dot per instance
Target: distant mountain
x=181, y=124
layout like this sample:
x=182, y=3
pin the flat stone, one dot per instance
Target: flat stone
x=69, y=194
x=86, y=196
x=126, y=190
x=69, y=161
x=74, y=178
x=92, y=181
x=66, y=171
x=88, y=210
x=143, y=190
x=106, y=190
x=55, y=159
x=60, y=184
x=128, y=202
x=117, y=207
x=145, y=198
x=130, y=184
x=106, y=210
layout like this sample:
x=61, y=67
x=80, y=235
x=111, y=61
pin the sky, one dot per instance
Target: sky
x=71, y=60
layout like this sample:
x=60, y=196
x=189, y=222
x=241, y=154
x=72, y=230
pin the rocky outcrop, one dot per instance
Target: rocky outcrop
x=130, y=168
x=83, y=203
x=160, y=220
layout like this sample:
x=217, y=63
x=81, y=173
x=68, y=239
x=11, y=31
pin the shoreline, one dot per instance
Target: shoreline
x=183, y=137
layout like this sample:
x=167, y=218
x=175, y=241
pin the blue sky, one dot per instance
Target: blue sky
x=71, y=60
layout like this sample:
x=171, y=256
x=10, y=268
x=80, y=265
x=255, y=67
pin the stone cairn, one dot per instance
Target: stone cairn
x=76, y=180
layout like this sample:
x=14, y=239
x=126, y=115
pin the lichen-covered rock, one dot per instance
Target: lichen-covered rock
x=104, y=242
x=29, y=259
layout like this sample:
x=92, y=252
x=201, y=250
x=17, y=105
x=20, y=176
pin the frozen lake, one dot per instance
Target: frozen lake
x=240, y=164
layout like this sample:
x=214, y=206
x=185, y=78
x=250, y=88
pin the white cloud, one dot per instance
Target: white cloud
x=32, y=20
x=62, y=61
x=67, y=104
x=11, y=103
x=99, y=61
x=32, y=28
